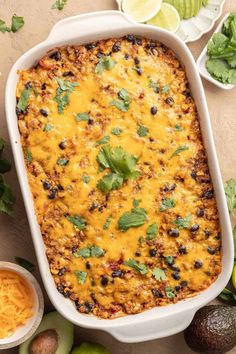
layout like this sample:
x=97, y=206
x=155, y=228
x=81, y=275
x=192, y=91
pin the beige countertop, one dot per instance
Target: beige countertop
x=14, y=232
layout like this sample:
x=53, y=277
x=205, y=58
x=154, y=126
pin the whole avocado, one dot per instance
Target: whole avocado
x=90, y=348
x=212, y=330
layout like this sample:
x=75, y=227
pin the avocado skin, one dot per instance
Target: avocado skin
x=212, y=330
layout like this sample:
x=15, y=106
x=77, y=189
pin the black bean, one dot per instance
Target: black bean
x=117, y=273
x=173, y=232
x=211, y=250
x=88, y=306
x=176, y=276
x=88, y=265
x=18, y=111
x=62, y=271
x=74, y=249
x=126, y=56
x=175, y=268
x=43, y=86
x=138, y=41
x=157, y=89
x=60, y=288
x=200, y=212
x=187, y=93
x=104, y=280
x=182, y=249
x=194, y=175
x=93, y=206
x=194, y=228
x=151, y=44
x=198, y=264
x=56, y=56
x=115, y=48
x=139, y=71
x=67, y=294
x=207, y=233
x=183, y=284
x=137, y=254
x=46, y=185
x=169, y=187
x=101, y=208
x=90, y=121
x=43, y=112
x=90, y=46
x=154, y=110
x=136, y=61
x=28, y=85
x=59, y=187
x=52, y=194
x=218, y=236
x=62, y=145
x=208, y=194
x=169, y=101
x=99, y=54
x=68, y=73
x=177, y=288
x=152, y=252
x=157, y=293
x=130, y=38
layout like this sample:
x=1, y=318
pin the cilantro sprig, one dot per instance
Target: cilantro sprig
x=59, y=4
x=134, y=218
x=139, y=267
x=17, y=22
x=104, y=63
x=6, y=197
x=123, y=101
x=87, y=252
x=62, y=93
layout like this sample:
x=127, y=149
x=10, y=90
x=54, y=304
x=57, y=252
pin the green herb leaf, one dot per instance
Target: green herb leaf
x=230, y=192
x=23, y=101
x=141, y=240
x=3, y=27
x=6, y=198
x=136, y=203
x=28, y=156
x=62, y=93
x=159, y=274
x=62, y=161
x=102, y=141
x=170, y=293
x=123, y=101
x=178, y=128
x=179, y=150
x=83, y=252
x=142, y=131
x=25, y=264
x=104, y=63
x=97, y=251
x=59, y=4
x=116, y=131
x=85, y=179
x=16, y=23
x=135, y=218
x=165, y=89
x=169, y=260
x=153, y=84
x=82, y=117
x=183, y=223
x=167, y=203
x=77, y=221
x=107, y=223
x=48, y=127
x=152, y=231
x=81, y=276
x=87, y=252
x=110, y=182
x=140, y=267
x=5, y=165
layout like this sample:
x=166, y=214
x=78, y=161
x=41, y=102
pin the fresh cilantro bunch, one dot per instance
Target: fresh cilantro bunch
x=6, y=197
x=221, y=51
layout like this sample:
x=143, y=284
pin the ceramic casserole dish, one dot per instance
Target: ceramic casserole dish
x=157, y=322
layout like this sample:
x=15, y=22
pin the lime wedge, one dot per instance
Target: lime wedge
x=167, y=18
x=234, y=277
x=141, y=10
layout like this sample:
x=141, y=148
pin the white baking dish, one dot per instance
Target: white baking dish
x=157, y=322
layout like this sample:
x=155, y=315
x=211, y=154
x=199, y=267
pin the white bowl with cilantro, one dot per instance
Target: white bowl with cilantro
x=213, y=63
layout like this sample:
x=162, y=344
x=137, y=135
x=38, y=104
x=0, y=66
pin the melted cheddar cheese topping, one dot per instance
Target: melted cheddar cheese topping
x=119, y=176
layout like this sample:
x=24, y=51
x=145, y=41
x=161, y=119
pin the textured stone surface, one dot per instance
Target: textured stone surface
x=14, y=232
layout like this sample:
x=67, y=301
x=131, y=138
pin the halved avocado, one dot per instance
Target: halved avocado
x=197, y=6
x=90, y=348
x=55, y=331
x=188, y=8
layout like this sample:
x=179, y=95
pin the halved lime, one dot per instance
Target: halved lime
x=141, y=10
x=167, y=18
x=234, y=277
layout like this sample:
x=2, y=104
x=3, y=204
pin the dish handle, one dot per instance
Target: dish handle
x=85, y=24
x=153, y=329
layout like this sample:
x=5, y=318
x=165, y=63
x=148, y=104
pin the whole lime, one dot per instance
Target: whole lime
x=90, y=348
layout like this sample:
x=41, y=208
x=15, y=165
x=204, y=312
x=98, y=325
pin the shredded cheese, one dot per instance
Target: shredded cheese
x=16, y=302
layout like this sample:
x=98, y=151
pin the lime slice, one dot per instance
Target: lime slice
x=234, y=277
x=167, y=18
x=141, y=10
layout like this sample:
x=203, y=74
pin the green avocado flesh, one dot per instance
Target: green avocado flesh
x=187, y=8
x=212, y=330
x=63, y=328
x=90, y=348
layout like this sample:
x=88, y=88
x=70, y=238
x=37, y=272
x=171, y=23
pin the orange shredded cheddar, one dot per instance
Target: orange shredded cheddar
x=16, y=302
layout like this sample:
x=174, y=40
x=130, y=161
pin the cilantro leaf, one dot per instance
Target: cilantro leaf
x=28, y=156
x=59, y=4
x=104, y=140
x=165, y=89
x=135, y=218
x=97, y=251
x=87, y=252
x=62, y=161
x=110, y=182
x=104, y=63
x=82, y=117
x=140, y=267
x=169, y=260
x=77, y=221
x=16, y=23
x=178, y=128
x=23, y=101
x=83, y=252
x=116, y=131
x=230, y=192
x=62, y=93
x=85, y=179
x=183, y=223
x=136, y=203
x=152, y=231
x=170, y=293
x=159, y=274
x=167, y=203
x=81, y=276
x=48, y=127
x=107, y=223
x=123, y=101
x=142, y=131
x=179, y=150
x=25, y=264
x=153, y=84
x=7, y=199
x=3, y=27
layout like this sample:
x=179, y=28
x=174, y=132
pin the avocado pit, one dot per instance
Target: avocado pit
x=45, y=342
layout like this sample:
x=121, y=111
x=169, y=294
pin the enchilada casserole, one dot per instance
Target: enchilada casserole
x=119, y=176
